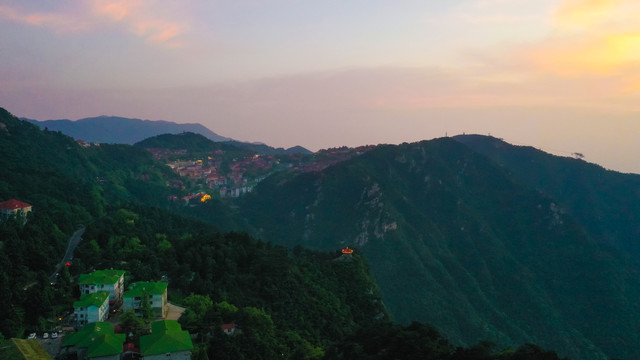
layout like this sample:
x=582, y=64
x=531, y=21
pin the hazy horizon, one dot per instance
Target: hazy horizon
x=559, y=75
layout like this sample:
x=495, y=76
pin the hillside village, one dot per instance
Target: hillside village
x=100, y=326
x=234, y=178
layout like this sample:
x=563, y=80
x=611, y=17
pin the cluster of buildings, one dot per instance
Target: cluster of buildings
x=160, y=153
x=86, y=144
x=234, y=183
x=99, y=341
x=102, y=293
x=326, y=158
x=192, y=169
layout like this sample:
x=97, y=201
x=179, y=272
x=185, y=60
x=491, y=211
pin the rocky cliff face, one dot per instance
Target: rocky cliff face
x=456, y=241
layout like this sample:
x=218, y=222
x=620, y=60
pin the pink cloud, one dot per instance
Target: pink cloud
x=144, y=19
x=59, y=22
x=117, y=10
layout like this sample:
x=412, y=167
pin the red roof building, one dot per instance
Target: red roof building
x=228, y=329
x=12, y=206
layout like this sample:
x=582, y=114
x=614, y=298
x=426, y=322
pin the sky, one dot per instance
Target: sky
x=559, y=75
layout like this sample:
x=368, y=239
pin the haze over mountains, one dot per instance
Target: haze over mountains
x=485, y=240
x=121, y=130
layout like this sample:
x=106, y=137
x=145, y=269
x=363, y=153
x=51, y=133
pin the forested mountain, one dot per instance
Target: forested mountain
x=288, y=303
x=606, y=202
x=191, y=142
x=69, y=186
x=197, y=143
x=269, y=150
x=454, y=240
x=449, y=236
x=121, y=130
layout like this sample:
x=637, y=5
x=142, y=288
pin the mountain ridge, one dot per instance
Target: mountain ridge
x=588, y=191
x=456, y=241
x=122, y=130
x=116, y=129
x=452, y=236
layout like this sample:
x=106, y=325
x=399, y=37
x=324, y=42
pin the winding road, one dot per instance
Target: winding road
x=74, y=240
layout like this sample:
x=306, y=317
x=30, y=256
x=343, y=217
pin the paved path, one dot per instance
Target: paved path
x=174, y=312
x=74, y=240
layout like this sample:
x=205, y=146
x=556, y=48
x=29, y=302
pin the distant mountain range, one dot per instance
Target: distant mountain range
x=121, y=130
x=197, y=143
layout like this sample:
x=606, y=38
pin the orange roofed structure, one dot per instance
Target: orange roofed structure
x=13, y=206
x=347, y=251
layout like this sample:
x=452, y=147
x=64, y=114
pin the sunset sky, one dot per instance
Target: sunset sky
x=560, y=75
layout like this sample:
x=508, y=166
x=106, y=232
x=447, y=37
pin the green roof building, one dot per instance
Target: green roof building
x=154, y=292
x=96, y=341
x=91, y=307
x=104, y=280
x=21, y=349
x=166, y=341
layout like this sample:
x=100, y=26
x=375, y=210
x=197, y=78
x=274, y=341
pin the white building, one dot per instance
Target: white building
x=91, y=308
x=154, y=292
x=104, y=280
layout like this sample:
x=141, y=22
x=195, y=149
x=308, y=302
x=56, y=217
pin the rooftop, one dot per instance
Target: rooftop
x=98, y=338
x=141, y=287
x=13, y=204
x=18, y=349
x=101, y=277
x=95, y=299
x=166, y=336
x=104, y=345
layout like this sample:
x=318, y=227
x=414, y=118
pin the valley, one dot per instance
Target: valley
x=444, y=233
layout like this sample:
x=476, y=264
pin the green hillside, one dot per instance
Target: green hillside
x=291, y=304
x=69, y=185
x=442, y=235
x=455, y=241
x=319, y=297
x=606, y=202
x=194, y=144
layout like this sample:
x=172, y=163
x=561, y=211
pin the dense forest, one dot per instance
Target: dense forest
x=288, y=302
x=606, y=202
x=455, y=240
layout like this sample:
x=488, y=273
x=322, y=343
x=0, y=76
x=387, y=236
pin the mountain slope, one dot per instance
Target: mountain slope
x=268, y=150
x=606, y=202
x=192, y=142
x=304, y=300
x=455, y=241
x=120, y=130
x=198, y=143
